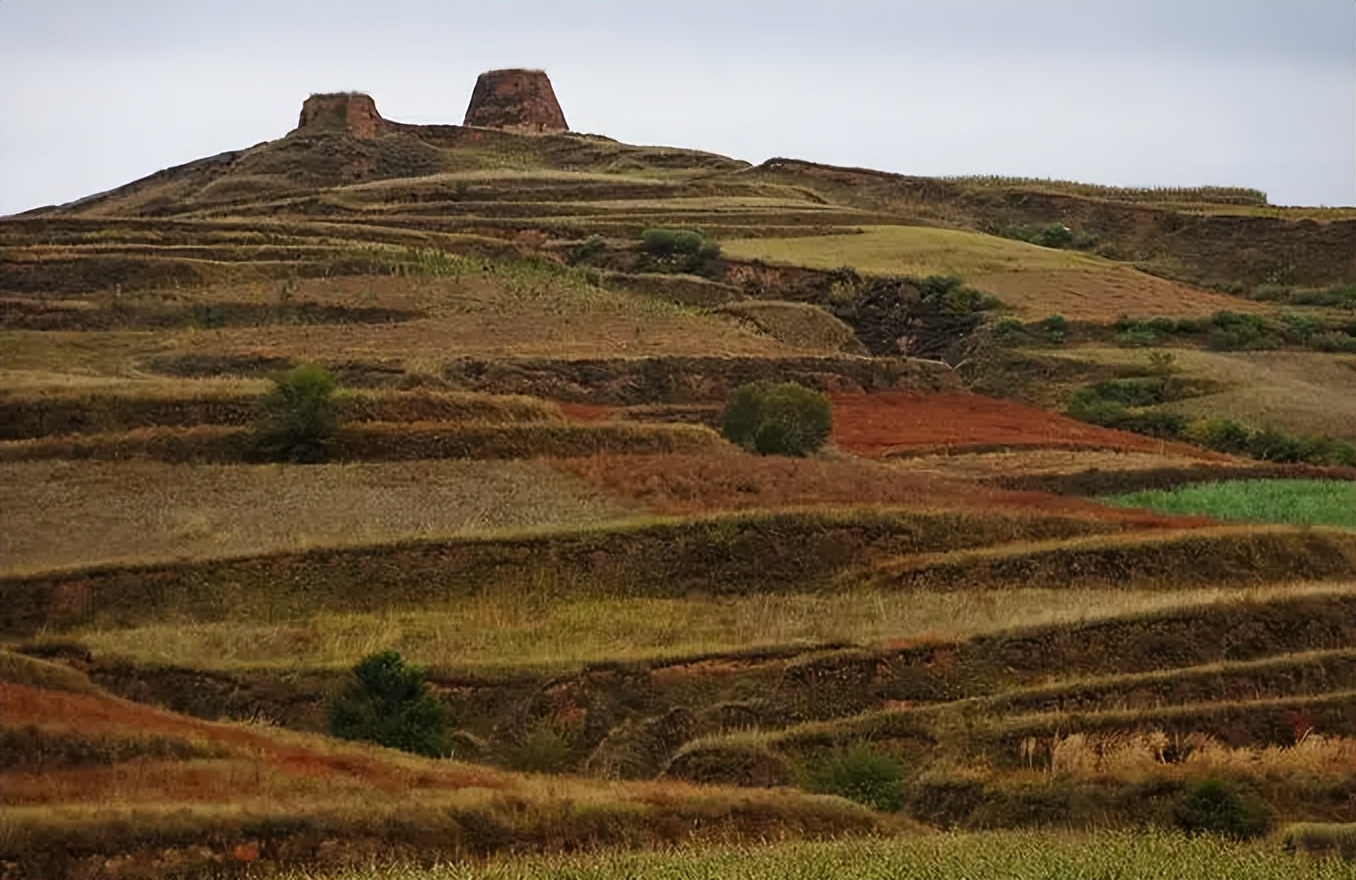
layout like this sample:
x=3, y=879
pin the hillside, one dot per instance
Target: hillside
x=646, y=635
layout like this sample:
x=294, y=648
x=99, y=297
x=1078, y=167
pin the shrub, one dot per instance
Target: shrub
x=1056, y=235
x=390, y=704
x=1154, y=423
x=1333, y=341
x=1272, y=445
x=1146, y=391
x=1222, y=807
x=297, y=420
x=1139, y=337
x=1221, y=435
x=1009, y=330
x=680, y=250
x=544, y=749
x=863, y=775
x=1231, y=331
x=590, y=248
x=1055, y=328
x=1087, y=405
x=777, y=419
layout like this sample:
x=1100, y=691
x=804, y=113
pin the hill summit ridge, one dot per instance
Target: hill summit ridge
x=517, y=100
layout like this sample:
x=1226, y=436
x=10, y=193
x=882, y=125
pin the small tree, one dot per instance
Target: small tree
x=863, y=775
x=777, y=419
x=1223, y=807
x=297, y=420
x=390, y=704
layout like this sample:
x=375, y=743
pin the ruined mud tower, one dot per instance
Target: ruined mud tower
x=353, y=112
x=515, y=100
x=519, y=101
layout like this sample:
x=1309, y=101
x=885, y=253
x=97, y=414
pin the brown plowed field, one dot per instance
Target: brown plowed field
x=907, y=422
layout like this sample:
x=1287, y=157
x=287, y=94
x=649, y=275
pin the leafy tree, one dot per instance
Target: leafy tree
x=298, y=419
x=389, y=703
x=777, y=418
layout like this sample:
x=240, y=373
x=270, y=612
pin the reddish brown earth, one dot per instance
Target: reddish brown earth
x=95, y=716
x=907, y=422
x=688, y=484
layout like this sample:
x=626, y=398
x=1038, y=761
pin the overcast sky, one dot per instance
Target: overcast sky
x=1242, y=94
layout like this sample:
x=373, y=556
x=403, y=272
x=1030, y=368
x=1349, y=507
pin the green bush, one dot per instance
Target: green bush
x=777, y=419
x=1056, y=235
x=1055, y=328
x=1333, y=341
x=1139, y=337
x=679, y=250
x=390, y=704
x=1146, y=391
x=1222, y=807
x=297, y=420
x=1232, y=331
x=544, y=749
x=863, y=775
x=1009, y=330
x=590, y=248
x=1221, y=435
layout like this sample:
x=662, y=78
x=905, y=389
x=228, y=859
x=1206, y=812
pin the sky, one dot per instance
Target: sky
x=1256, y=94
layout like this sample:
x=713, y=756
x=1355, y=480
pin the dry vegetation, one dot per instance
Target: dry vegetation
x=601, y=590
x=1302, y=392
x=1033, y=281
x=491, y=633
x=80, y=513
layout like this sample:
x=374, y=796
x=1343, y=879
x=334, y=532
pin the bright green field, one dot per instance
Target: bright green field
x=1022, y=855
x=1313, y=502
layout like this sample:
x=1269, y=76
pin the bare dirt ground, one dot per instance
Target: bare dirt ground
x=904, y=422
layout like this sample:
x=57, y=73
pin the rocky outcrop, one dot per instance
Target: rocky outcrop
x=353, y=112
x=520, y=101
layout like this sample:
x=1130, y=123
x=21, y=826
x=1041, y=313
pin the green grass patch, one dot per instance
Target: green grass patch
x=1301, y=502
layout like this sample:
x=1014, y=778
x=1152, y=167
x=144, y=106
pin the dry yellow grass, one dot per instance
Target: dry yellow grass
x=1302, y=392
x=497, y=632
x=519, y=312
x=910, y=250
x=1030, y=462
x=67, y=513
x=1033, y=281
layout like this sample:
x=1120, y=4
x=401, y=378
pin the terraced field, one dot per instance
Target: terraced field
x=528, y=494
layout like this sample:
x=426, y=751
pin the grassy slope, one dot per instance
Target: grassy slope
x=1034, y=281
x=89, y=778
x=1301, y=392
x=531, y=605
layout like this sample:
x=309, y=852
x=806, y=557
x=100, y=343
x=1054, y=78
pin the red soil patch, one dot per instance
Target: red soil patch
x=102, y=715
x=687, y=484
x=585, y=412
x=908, y=422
